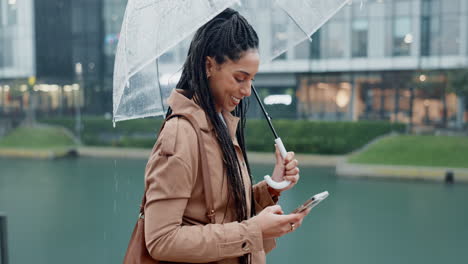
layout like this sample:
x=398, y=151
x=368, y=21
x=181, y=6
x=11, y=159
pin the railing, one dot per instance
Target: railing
x=3, y=239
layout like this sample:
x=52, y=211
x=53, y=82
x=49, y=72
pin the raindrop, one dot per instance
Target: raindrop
x=116, y=180
x=116, y=185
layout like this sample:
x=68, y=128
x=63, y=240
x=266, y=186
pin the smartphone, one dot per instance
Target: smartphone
x=312, y=202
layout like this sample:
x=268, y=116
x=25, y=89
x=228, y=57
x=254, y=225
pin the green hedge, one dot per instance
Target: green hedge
x=98, y=131
x=297, y=135
x=317, y=137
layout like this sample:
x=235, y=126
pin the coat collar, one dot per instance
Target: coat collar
x=179, y=103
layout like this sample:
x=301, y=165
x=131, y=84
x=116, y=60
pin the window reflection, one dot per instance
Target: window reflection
x=11, y=13
x=335, y=32
x=359, y=38
x=402, y=37
x=279, y=34
x=440, y=27
x=377, y=96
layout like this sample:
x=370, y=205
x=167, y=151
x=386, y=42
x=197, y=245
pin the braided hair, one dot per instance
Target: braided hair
x=224, y=37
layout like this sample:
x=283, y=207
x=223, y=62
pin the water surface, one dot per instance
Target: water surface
x=83, y=210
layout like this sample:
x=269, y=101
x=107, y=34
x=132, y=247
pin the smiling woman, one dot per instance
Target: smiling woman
x=217, y=75
x=231, y=81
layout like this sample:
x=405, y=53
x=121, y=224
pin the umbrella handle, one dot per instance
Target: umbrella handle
x=273, y=184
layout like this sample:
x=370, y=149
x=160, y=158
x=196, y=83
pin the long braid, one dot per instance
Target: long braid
x=227, y=35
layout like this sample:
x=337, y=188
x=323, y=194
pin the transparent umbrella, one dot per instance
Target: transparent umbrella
x=150, y=28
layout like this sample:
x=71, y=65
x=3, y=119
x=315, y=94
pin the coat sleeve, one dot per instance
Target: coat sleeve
x=170, y=179
x=263, y=199
x=262, y=196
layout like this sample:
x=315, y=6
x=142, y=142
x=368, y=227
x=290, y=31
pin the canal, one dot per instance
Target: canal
x=83, y=210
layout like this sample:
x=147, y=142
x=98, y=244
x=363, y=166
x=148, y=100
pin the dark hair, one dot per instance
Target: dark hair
x=226, y=36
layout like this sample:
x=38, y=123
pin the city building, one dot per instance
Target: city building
x=17, y=52
x=374, y=60
x=379, y=60
x=51, y=57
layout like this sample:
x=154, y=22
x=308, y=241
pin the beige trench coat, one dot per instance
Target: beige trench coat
x=176, y=226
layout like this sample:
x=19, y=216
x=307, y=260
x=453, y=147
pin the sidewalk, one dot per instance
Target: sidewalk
x=346, y=169
x=343, y=168
x=37, y=153
x=254, y=157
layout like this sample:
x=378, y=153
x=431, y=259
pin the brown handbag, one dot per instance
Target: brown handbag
x=137, y=253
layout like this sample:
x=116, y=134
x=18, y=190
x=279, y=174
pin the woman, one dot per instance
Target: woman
x=217, y=75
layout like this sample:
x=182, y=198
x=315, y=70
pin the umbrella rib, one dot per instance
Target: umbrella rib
x=159, y=86
x=295, y=22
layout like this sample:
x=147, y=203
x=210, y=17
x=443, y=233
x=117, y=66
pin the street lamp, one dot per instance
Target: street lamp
x=76, y=93
x=31, y=113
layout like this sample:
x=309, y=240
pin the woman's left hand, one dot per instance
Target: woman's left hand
x=286, y=169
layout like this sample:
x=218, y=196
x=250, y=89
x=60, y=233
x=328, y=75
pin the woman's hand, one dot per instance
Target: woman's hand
x=286, y=169
x=274, y=224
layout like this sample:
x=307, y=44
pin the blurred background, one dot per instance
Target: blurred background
x=375, y=105
x=396, y=60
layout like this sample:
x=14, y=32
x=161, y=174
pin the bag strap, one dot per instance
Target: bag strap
x=205, y=170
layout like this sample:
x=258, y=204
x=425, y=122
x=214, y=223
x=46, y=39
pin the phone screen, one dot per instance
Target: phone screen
x=312, y=202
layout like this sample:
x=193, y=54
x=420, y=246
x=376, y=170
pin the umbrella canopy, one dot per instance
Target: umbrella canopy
x=151, y=28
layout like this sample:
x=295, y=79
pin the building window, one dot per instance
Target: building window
x=6, y=53
x=440, y=27
x=359, y=38
x=402, y=37
x=324, y=96
x=450, y=27
x=335, y=44
x=302, y=51
x=450, y=30
x=1, y=14
x=315, y=45
x=279, y=34
x=399, y=32
x=426, y=27
x=11, y=12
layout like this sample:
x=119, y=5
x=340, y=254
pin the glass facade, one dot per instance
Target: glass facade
x=8, y=21
x=279, y=33
x=440, y=27
x=324, y=97
x=366, y=62
x=377, y=96
x=388, y=29
x=113, y=12
x=359, y=38
x=6, y=52
x=333, y=35
x=360, y=65
x=359, y=32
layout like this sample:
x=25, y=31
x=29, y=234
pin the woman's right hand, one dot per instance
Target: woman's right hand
x=274, y=224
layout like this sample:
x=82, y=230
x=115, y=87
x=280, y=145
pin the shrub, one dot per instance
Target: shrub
x=297, y=135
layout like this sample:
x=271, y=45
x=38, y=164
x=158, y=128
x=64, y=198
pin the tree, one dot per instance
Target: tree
x=458, y=83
